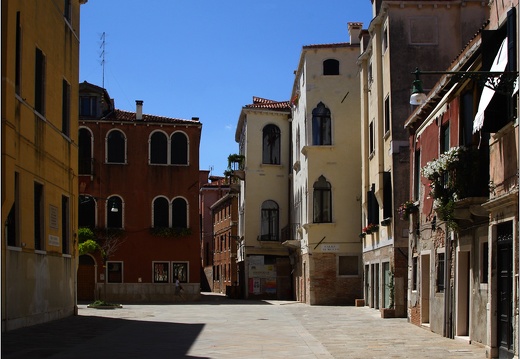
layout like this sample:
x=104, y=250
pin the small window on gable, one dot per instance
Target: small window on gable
x=330, y=67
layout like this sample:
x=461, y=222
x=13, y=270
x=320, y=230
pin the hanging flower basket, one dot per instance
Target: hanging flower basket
x=405, y=209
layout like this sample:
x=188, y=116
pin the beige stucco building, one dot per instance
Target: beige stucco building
x=401, y=36
x=326, y=163
x=263, y=136
x=40, y=67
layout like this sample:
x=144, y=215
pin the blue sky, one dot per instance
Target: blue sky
x=206, y=58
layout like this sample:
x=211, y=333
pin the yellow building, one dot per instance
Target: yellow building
x=40, y=70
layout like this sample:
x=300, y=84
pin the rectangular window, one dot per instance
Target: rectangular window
x=18, y=55
x=348, y=265
x=65, y=225
x=445, y=138
x=414, y=273
x=440, y=272
x=180, y=270
x=67, y=10
x=161, y=271
x=39, y=82
x=417, y=175
x=114, y=272
x=371, y=146
x=88, y=106
x=38, y=217
x=387, y=114
x=12, y=218
x=384, y=40
x=484, y=262
x=65, y=109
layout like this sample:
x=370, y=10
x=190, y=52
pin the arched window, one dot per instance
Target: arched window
x=161, y=213
x=159, y=148
x=85, y=151
x=321, y=126
x=87, y=212
x=179, y=213
x=116, y=147
x=114, y=211
x=269, y=221
x=271, y=145
x=322, y=201
x=179, y=149
x=331, y=67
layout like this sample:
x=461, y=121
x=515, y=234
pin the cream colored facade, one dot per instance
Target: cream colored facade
x=400, y=38
x=328, y=251
x=263, y=261
x=40, y=68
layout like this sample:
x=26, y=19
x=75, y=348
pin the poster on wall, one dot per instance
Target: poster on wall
x=262, y=277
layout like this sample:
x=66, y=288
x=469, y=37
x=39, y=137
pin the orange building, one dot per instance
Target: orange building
x=139, y=187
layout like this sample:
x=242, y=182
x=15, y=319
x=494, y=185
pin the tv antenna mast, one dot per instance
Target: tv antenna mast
x=102, y=56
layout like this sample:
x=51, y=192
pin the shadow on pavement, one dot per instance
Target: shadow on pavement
x=98, y=337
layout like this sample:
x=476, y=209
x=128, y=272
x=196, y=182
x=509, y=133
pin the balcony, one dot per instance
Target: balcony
x=290, y=232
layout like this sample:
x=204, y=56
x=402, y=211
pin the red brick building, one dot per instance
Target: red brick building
x=139, y=187
x=212, y=189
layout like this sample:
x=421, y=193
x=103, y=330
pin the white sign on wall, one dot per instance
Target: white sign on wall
x=330, y=247
x=54, y=241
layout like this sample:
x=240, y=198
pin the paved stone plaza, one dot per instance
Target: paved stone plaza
x=218, y=327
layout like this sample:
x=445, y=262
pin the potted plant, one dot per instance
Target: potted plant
x=371, y=228
x=405, y=209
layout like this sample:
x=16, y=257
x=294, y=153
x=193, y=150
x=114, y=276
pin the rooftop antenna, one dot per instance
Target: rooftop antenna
x=102, y=55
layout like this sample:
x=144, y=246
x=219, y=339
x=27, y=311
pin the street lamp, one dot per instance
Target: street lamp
x=84, y=198
x=498, y=81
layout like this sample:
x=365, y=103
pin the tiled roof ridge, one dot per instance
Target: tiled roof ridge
x=259, y=102
x=122, y=115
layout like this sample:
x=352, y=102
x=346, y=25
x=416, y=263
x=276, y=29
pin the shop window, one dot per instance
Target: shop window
x=161, y=272
x=180, y=270
x=440, y=272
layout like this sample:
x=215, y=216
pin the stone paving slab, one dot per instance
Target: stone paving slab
x=218, y=327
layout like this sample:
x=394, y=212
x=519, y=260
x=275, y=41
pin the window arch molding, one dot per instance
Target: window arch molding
x=161, y=208
x=158, y=153
x=179, y=212
x=113, y=218
x=321, y=125
x=85, y=150
x=322, y=201
x=330, y=67
x=269, y=221
x=115, y=147
x=179, y=148
x=271, y=144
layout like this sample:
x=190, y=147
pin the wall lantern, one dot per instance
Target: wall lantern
x=84, y=198
x=499, y=81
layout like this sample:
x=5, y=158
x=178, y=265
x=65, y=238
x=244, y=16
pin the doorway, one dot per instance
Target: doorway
x=425, y=289
x=86, y=278
x=463, y=290
x=505, y=290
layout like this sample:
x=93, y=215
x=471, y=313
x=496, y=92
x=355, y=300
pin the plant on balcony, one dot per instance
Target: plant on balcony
x=170, y=232
x=371, y=228
x=452, y=178
x=405, y=209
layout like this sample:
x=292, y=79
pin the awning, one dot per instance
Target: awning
x=439, y=110
x=499, y=65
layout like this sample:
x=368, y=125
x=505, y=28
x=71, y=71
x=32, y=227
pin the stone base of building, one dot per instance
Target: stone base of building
x=146, y=292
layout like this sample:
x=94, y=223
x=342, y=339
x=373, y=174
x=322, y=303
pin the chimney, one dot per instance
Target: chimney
x=139, y=110
x=354, y=30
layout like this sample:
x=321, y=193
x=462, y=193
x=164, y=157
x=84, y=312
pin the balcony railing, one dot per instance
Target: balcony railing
x=290, y=232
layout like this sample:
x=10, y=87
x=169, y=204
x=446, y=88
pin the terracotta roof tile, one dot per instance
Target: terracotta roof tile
x=259, y=102
x=125, y=116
